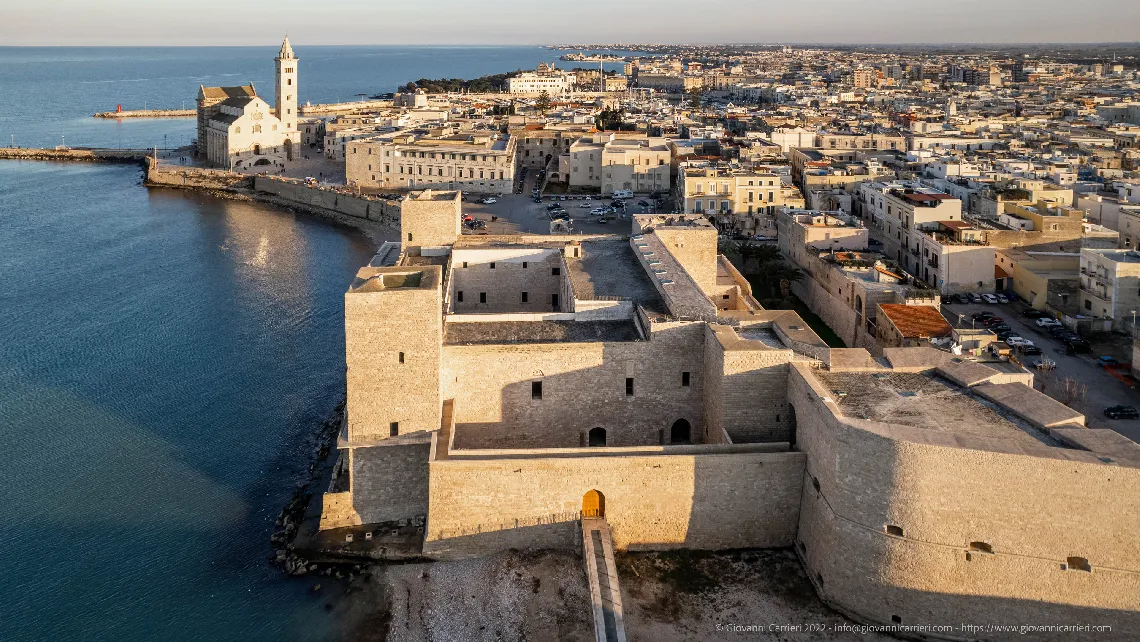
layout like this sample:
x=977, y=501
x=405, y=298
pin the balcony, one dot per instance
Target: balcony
x=1097, y=294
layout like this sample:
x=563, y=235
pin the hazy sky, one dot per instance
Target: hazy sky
x=317, y=22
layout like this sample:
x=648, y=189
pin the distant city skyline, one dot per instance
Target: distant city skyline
x=513, y=22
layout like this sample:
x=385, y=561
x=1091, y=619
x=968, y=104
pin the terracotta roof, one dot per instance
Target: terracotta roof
x=921, y=321
x=228, y=92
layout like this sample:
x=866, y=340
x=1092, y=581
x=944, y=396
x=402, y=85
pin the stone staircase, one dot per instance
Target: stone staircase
x=601, y=571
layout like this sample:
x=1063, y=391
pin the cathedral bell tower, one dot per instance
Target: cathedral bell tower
x=286, y=104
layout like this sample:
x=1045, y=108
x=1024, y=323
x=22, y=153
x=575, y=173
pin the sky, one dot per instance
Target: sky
x=401, y=22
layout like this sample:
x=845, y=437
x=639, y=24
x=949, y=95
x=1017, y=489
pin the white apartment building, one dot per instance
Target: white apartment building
x=1110, y=286
x=477, y=161
x=545, y=79
x=612, y=162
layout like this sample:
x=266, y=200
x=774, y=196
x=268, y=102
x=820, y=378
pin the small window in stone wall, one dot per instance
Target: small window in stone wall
x=536, y=390
x=555, y=271
x=524, y=296
x=394, y=428
x=524, y=265
x=981, y=547
x=409, y=237
x=465, y=264
x=492, y=265
x=459, y=296
x=482, y=297
x=896, y=619
x=1077, y=564
x=401, y=357
x=891, y=529
x=685, y=379
x=629, y=386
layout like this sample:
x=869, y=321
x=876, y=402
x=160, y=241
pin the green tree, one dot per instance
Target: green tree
x=695, y=98
x=543, y=103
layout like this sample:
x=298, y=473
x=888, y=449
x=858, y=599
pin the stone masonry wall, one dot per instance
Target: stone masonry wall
x=379, y=327
x=431, y=221
x=583, y=387
x=390, y=482
x=652, y=502
x=990, y=546
x=505, y=283
x=747, y=392
x=373, y=209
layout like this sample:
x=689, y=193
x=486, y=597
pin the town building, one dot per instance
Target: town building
x=611, y=161
x=474, y=161
x=545, y=79
x=1110, y=287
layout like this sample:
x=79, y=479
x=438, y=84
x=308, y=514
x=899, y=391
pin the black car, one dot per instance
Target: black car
x=946, y=298
x=961, y=298
x=1077, y=346
x=998, y=328
x=1034, y=313
x=643, y=203
x=982, y=316
x=1121, y=412
x=1030, y=350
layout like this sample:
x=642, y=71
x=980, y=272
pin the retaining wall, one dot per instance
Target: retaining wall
x=363, y=207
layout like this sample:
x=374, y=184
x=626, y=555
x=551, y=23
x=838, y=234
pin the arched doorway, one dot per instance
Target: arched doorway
x=681, y=432
x=593, y=504
x=288, y=149
x=597, y=437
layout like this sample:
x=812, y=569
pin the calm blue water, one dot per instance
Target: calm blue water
x=48, y=94
x=163, y=354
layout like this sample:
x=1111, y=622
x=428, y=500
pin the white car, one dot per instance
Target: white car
x=1015, y=341
x=1046, y=322
x=989, y=298
x=489, y=201
x=598, y=211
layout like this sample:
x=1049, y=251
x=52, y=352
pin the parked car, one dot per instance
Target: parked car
x=599, y=211
x=1121, y=412
x=643, y=203
x=991, y=321
x=981, y=316
x=490, y=200
x=1107, y=362
x=1030, y=350
x=1017, y=341
x=1046, y=322
x=976, y=298
x=1002, y=298
x=961, y=298
x=989, y=298
x=999, y=327
x=1034, y=313
x=1077, y=346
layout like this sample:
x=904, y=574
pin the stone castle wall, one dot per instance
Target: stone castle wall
x=390, y=482
x=365, y=207
x=652, y=502
x=583, y=387
x=930, y=532
x=504, y=284
x=744, y=393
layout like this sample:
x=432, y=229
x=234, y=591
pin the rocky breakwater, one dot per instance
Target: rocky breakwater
x=76, y=154
x=148, y=113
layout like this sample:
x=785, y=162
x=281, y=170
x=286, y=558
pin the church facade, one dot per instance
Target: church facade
x=238, y=130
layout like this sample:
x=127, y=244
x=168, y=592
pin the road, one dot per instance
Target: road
x=1103, y=389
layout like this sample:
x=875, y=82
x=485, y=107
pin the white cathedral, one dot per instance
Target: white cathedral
x=238, y=130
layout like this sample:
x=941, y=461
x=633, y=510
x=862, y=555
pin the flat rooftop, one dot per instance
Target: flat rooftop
x=609, y=268
x=508, y=332
x=926, y=401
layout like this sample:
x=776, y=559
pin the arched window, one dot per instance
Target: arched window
x=597, y=437
x=681, y=432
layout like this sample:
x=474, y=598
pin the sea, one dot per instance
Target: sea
x=165, y=354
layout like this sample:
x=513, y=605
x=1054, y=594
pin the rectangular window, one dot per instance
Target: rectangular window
x=402, y=358
x=394, y=428
x=465, y=264
x=459, y=296
x=482, y=297
x=524, y=297
x=685, y=379
x=492, y=265
x=536, y=390
x=409, y=237
x=629, y=386
x=524, y=264
x=555, y=271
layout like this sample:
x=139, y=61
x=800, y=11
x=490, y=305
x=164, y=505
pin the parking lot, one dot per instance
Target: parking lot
x=518, y=213
x=1103, y=388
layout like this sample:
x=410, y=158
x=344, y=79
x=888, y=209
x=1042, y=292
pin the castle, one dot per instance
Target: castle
x=501, y=388
x=239, y=130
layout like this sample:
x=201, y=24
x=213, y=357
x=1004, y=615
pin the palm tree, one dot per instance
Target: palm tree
x=543, y=103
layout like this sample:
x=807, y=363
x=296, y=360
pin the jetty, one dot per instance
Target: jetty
x=77, y=154
x=148, y=113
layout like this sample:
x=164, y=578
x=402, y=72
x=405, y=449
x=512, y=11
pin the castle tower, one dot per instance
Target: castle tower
x=285, y=107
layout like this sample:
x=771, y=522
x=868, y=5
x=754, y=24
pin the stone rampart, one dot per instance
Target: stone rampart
x=339, y=201
x=195, y=178
x=83, y=155
x=652, y=502
x=911, y=526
